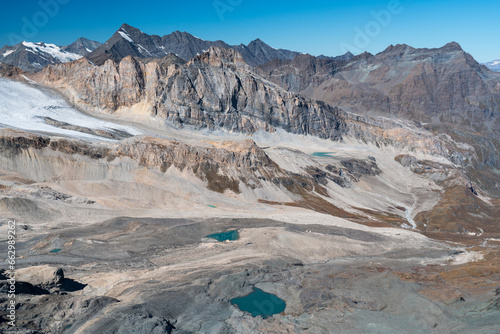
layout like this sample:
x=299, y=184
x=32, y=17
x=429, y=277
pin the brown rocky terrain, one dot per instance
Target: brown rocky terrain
x=443, y=86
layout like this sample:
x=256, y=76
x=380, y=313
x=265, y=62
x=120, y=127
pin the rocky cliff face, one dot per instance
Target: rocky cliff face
x=214, y=90
x=222, y=167
x=437, y=86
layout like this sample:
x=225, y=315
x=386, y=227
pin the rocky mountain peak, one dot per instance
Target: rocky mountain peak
x=452, y=46
x=362, y=56
x=129, y=40
x=398, y=48
x=131, y=32
x=131, y=29
x=35, y=56
x=82, y=46
x=126, y=26
x=257, y=41
x=216, y=56
x=346, y=56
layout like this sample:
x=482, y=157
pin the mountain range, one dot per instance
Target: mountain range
x=130, y=41
x=35, y=56
x=444, y=85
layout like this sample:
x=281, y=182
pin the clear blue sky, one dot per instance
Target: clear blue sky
x=316, y=27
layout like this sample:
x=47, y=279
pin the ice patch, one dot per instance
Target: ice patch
x=25, y=107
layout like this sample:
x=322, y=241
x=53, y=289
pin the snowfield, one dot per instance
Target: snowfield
x=25, y=107
x=52, y=50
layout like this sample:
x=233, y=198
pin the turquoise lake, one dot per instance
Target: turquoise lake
x=323, y=154
x=57, y=250
x=223, y=236
x=260, y=303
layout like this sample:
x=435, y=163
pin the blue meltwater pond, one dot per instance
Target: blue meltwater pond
x=323, y=154
x=260, y=303
x=223, y=236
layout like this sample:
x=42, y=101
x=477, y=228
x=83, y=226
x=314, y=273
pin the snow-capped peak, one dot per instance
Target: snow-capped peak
x=53, y=50
x=493, y=65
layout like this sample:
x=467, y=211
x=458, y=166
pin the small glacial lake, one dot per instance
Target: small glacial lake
x=57, y=250
x=323, y=154
x=225, y=236
x=260, y=303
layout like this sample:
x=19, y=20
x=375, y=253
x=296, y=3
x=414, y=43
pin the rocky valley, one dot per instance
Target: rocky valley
x=362, y=193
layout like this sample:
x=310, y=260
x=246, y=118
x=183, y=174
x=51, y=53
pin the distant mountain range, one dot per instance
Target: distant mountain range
x=443, y=85
x=35, y=56
x=493, y=65
x=130, y=41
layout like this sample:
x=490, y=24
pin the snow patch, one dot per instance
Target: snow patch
x=409, y=218
x=466, y=257
x=8, y=53
x=143, y=48
x=126, y=36
x=28, y=79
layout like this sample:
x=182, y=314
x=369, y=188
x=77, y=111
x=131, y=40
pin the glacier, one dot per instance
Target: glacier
x=26, y=106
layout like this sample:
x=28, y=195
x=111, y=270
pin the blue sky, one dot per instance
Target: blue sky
x=315, y=27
